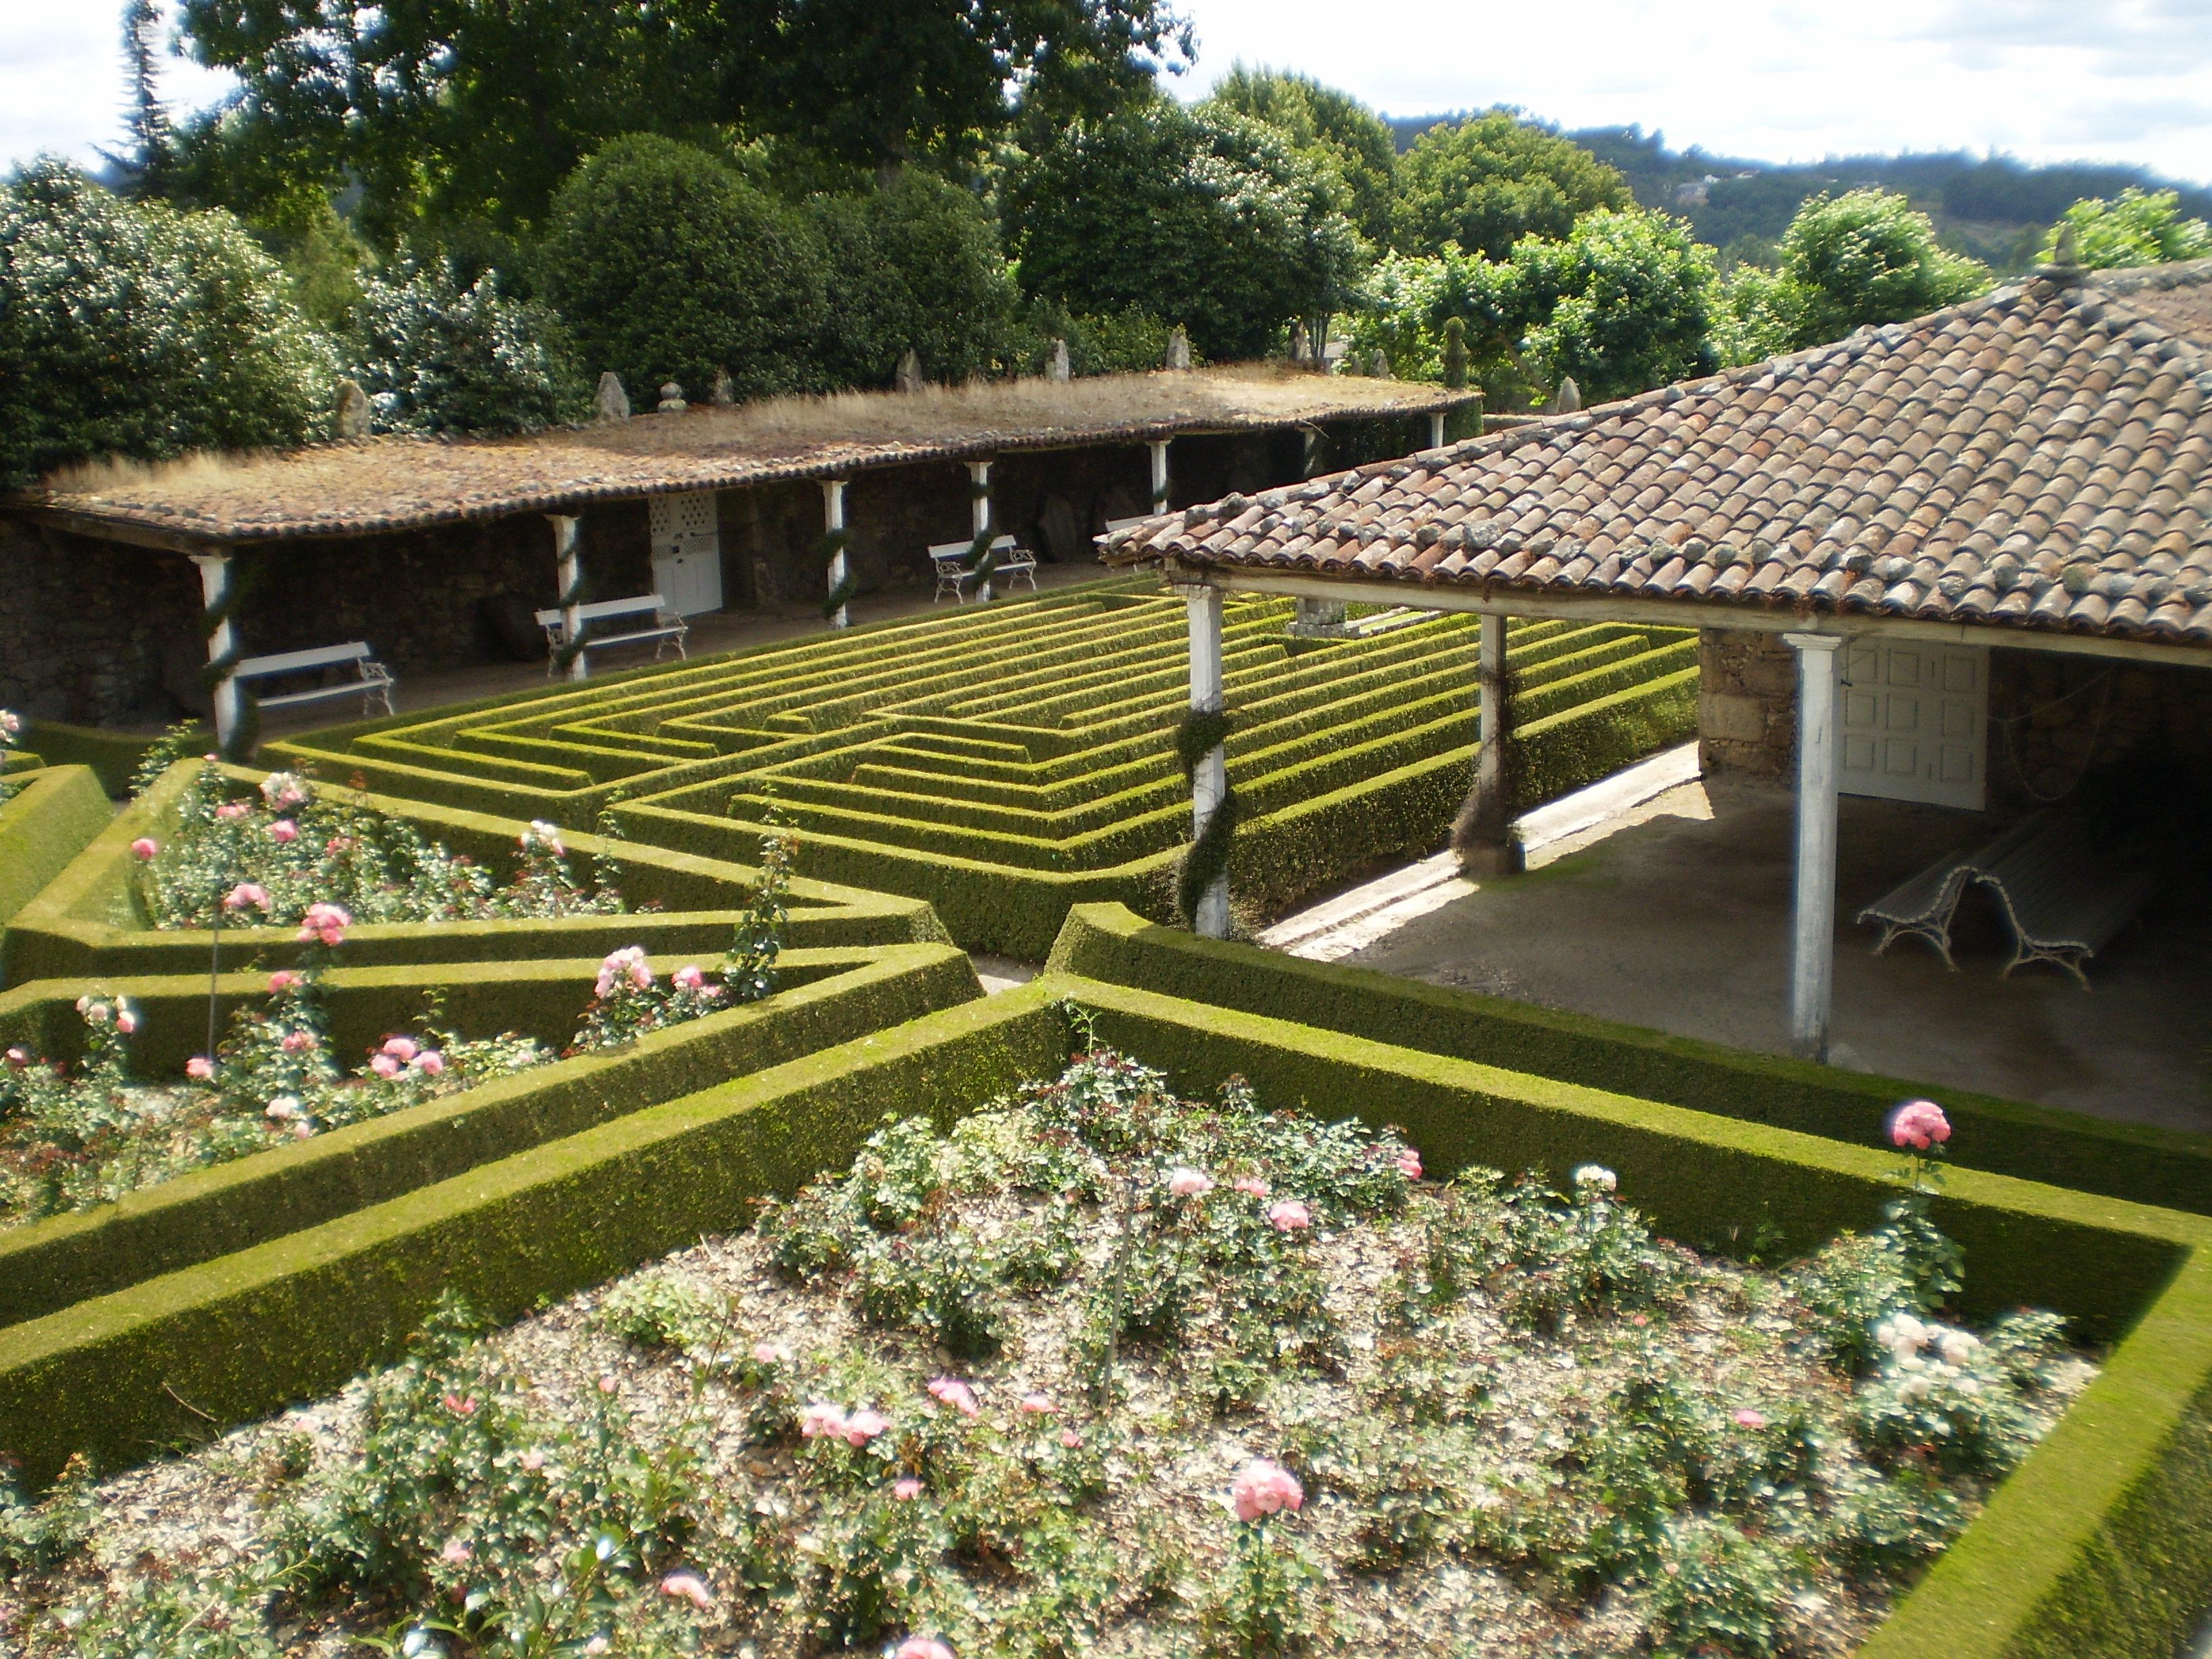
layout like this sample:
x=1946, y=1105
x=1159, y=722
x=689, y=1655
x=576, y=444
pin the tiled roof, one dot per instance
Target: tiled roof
x=383, y=484
x=2040, y=458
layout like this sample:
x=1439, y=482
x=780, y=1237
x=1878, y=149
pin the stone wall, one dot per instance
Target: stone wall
x=85, y=626
x=1746, y=702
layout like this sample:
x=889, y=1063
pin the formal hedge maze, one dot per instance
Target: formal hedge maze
x=1006, y=761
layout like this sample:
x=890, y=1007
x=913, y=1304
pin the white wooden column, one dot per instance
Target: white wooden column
x=1490, y=758
x=1209, y=779
x=1159, y=448
x=1812, y=894
x=568, y=571
x=979, y=503
x=229, y=697
x=833, y=519
x=1436, y=429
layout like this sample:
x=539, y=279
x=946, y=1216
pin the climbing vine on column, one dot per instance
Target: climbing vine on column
x=1202, y=732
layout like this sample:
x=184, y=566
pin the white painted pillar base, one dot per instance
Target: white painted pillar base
x=833, y=518
x=1436, y=429
x=1813, y=892
x=1209, y=779
x=568, y=568
x=229, y=698
x=1159, y=448
x=980, y=514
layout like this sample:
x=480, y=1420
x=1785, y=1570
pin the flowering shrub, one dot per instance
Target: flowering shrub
x=1196, y=1420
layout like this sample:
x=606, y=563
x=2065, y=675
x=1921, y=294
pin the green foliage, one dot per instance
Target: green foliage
x=663, y=1307
x=139, y=330
x=1334, y=133
x=1198, y=216
x=1716, y=1591
x=1863, y=258
x=2136, y=227
x=1486, y=182
x=914, y=264
x=439, y=352
x=669, y=265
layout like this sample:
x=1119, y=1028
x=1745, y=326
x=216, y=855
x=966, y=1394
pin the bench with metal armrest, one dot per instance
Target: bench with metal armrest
x=371, y=681
x=664, y=629
x=954, y=565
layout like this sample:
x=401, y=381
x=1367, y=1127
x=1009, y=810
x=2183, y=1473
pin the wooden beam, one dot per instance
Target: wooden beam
x=127, y=532
x=1813, y=884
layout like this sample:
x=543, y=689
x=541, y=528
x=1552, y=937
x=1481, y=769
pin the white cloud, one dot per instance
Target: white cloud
x=61, y=79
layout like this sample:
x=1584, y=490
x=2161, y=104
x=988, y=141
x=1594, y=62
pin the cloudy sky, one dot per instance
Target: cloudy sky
x=2046, y=80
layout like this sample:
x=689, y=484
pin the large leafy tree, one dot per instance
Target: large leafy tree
x=2137, y=228
x=1867, y=257
x=1331, y=132
x=1195, y=216
x=1486, y=182
x=915, y=265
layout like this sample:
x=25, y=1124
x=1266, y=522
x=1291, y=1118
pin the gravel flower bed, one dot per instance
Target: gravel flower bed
x=1105, y=1370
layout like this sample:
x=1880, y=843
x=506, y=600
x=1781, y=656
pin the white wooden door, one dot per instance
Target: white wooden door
x=687, y=551
x=1915, y=722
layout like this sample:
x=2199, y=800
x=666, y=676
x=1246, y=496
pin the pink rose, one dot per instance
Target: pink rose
x=246, y=895
x=401, y=1048
x=144, y=848
x=533, y=1460
x=284, y=831
x=627, y=963
x=199, y=1069
x=297, y=1042
x=19, y=1058
x=281, y=980
x=687, y=1587
x=430, y=1063
x=456, y=1551
x=906, y=1488
x=1289, y=1216
x=1038, y=1405
x=608, y=1385
x=822, y=1421
x=1252, y=1186
x=1409, y=1164
x=303, y=1129
x=922, y=1647
x=126, y=1022
x=338, y=844
x=1750, y=1419
x=231, y=811
x=460, y=1406
x=1262, y=1488
x=1069, y=1438
x=326, y=922
x=687, y=978
x=865, y=1425
x=956, y=1394
x=1917, y=1123
x=1189, y=1183
x=385, y=1066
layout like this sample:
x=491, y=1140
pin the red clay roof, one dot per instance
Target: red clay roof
x=2040, y=458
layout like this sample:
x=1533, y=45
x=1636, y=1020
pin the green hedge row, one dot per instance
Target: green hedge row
x=113, y=755
x=2162, y=1167
x=87, y=922
x=51, y=815
x=829, y=998
x=2101, y=1544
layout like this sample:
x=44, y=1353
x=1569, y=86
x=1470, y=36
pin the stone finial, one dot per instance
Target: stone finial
x=1179, y=348
x=1352, y=364
x=1057, y=367
x=2067, y=250
x=672, y=400
x=908, y=378
x=724, y=393
x=1568, y=398
x=1455, y=354
x=1301, y=347
x=349, y=415
x=611, y=403
x=1378, y=364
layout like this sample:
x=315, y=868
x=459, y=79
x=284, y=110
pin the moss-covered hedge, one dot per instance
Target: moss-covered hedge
x=2164, y=1167
x=114, y=756
x=1006, y=761
x=2101, y=1544
x=51, y=815
x=829, y=998
x=88, y=922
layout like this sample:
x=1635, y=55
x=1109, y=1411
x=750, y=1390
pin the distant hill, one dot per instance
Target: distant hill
x=1994, y=208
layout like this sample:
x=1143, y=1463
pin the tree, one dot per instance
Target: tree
x=2140, y=227
x=1861, y=258
x=1488, y=181
x=140, y=331
x=443, y=351
x=669, y=265
x=1196, y=216
x=1334, y=133
x=914, y=264
x=148, y=167
x=1623, y=304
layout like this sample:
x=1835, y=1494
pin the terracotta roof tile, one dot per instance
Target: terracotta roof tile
x=2038, y=458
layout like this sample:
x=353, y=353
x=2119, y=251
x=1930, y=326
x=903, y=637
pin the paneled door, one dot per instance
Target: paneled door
x=1915, y=722
x=687, y=551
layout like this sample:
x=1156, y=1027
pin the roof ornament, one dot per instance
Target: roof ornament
x=1057, y=367
x=908, y=378
x=724, y=393
x=1455, y=354
x=611, y=403
x=672, y=400
x=1179, y=348
x=1301, y=347
x=2064, y=270
x=349, y=415
x=1379, y=364
x=1568, y=398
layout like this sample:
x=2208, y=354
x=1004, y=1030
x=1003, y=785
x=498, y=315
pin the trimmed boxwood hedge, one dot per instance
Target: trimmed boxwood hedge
x=88, y=922
x=52, y=814
x=2099, y=1544
x=113, y=755
x=2165, y=1167
x=1005, y=761
x=828, y=998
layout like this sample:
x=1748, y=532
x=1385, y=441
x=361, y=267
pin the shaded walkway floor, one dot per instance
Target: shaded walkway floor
x=1681, y=922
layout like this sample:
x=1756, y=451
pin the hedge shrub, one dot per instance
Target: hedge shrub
x=51, y=814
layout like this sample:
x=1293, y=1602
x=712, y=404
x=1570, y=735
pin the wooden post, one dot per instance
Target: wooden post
x=1481, y=835
x=1159, y=448
x=229, y=700
x=1813, y=892
x=568, y=573
x=1209, y=779
x=979, y=504
x=833, y=518
x=1436, y=429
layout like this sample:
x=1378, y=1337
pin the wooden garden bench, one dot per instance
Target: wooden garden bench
x=659, y=624
x=951, y=563
x=371, y=681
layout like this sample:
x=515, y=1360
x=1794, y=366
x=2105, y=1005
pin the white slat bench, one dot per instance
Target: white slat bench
x=1922, y=905
x=666, y=627
x=371, y=681
x=950, y=560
